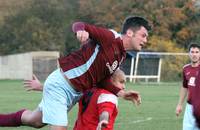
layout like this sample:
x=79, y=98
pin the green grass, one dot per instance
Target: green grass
x=157, y=111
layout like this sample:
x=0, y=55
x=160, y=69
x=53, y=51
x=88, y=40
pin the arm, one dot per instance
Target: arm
x=103, y=120
x=84, y=31
x=33, y=84
x=182, y=95
x=130, y=95
x=108, y=85
x=107, y=110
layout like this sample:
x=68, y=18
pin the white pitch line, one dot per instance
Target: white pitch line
x=131, y=122
x=137, y=121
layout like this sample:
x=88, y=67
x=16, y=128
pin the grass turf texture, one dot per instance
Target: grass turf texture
x=157, y=111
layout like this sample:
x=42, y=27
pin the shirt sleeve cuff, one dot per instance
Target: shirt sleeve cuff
x=78, y=26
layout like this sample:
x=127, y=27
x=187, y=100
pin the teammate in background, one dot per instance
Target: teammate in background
x=196, y=101
x=95, y=62
x=190, y=73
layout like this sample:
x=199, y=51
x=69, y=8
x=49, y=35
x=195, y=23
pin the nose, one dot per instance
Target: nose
x=123, y=86
x=145, y=40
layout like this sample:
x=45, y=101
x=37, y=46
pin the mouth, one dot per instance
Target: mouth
x=141, y=44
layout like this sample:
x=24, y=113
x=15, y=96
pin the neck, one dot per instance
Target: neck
x=195, y=64
x=124, y=40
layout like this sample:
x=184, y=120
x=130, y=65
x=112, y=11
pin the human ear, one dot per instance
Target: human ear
x=129, y=33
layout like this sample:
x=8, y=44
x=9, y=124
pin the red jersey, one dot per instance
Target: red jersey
x=91, y=105
x=189, y=78
x=96, y=60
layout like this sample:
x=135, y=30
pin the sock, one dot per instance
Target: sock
x=12, y=119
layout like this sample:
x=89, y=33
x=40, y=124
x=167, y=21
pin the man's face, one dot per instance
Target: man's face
x=139, y=39
x=194, y=54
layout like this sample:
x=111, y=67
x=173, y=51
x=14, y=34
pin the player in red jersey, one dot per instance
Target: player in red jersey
x=190, y=72
x=95, y=62
x=98, y=107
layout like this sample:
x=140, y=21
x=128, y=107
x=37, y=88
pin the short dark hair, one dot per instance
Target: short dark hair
x=135, y=22
x=193, y=45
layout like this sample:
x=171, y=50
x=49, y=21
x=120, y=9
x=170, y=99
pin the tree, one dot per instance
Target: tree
x=41, y=26
x=174, y=20
x=45, y=24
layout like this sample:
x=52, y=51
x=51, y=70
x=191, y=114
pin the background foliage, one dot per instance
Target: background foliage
x=32, y=25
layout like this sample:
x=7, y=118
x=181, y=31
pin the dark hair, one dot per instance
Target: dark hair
x=135, y=22
x=193, y=45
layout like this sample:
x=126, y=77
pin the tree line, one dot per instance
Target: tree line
x=46, y=24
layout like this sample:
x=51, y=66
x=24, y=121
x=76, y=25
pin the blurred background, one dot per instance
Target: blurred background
x=45, y=25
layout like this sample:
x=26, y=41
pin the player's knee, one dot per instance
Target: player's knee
x=36, y=123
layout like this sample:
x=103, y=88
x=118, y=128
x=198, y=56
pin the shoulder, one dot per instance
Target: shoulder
x=106, y=96
x=116, y=34
x=187, y=66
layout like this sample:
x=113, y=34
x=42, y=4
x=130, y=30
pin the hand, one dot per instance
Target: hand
x=102, y=124
x=178, y=110
x=33, y=84
x=82, y=36
x=130, y=95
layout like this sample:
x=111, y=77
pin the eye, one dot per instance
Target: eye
x=144, y=35
x=122, y=81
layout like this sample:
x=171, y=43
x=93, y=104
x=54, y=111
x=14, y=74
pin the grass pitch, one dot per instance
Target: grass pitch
x=157, y=111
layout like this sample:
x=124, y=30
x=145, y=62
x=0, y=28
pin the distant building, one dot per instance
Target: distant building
x=22, y=66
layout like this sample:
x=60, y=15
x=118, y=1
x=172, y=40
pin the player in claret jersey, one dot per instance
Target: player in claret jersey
x=95, y=62
x=196, y=102
x=190, y=73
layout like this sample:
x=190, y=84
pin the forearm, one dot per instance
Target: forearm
x=104, y=116
x=103, y=120
x=182, y=95
x=130, y=95
x=98, y=34
x=108, y=85
x=114, y=89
